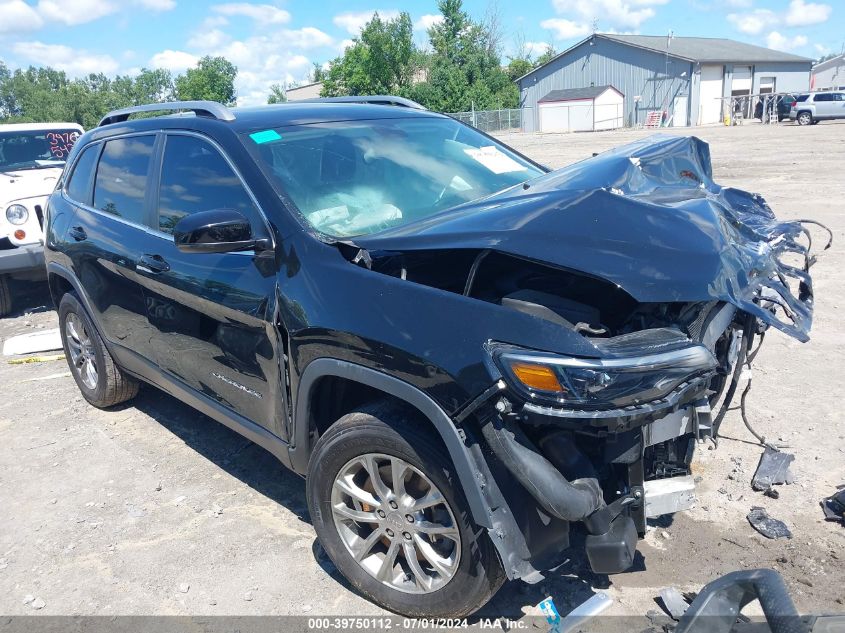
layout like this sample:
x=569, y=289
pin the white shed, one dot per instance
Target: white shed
x=582, y=109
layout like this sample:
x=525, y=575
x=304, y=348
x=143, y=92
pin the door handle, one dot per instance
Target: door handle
x=152, y=264
x=78, y=233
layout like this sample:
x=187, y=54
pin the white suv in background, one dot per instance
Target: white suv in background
x=811, y=108
x=32, y=156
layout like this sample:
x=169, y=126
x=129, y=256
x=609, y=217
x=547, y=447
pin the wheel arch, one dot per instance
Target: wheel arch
x=376, y=382
x=62, y=280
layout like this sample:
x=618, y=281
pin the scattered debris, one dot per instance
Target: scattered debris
x=32, y=343
x=673, y=602
x=766, y=525
x=771, y=492
x=773, y=469
x=38, y=604
x=834, y=506
x=248, y=596
x=575, y=619
x=184, y=587
x=36, y=359
x=805, y=581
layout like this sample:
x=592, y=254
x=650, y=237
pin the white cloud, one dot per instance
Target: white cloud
x=74, y=62
x=802, y=13
x=344, y=44
x=821, y=49
x=754, y=22
x=354, y=21
x=18, y=17
x=428, y=20
x=534, y=49
x=262, y=13
x=73, y=12
x=629, y=14
x=783, y=43
x=208, y=39
x=306, y=37
x=157, y=5
x=262, y=59
x=176, y=61
x=565, y=29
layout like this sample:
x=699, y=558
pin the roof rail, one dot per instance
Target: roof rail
x=371, y=99
x=210, y=109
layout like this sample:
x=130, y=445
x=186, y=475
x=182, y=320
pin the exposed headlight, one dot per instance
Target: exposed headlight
x=17, y=214
x=595, y=384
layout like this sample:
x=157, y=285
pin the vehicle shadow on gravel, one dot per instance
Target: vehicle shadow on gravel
x=29, y=297
x=239, y=457
x=570, y=585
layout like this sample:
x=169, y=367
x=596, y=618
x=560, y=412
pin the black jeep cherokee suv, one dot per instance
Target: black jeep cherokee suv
x=462, y=351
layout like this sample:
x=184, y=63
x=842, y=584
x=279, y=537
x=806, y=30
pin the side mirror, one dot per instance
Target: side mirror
x=215, y=231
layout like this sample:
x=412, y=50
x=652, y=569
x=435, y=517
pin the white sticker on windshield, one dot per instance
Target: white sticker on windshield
x=494, y=160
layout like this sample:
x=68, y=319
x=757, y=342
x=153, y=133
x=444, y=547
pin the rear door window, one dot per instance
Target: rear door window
x=79, y=184
x=827, y=96
x=195, y=177
x=121, y=183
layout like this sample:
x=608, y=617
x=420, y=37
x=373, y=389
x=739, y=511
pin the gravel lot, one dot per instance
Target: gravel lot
x=156, y=509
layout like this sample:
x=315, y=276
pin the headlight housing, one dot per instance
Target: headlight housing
x=600, y=384
x=17, y=214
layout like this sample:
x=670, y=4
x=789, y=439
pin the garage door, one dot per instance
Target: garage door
x=566, y=116
x=710, y=107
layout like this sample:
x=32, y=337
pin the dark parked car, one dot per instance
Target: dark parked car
x=783, y=103
x=461, y=351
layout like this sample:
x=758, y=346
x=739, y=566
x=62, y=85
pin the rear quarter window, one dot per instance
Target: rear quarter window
x=79, y=184
x=801, y=98
x=121, y=183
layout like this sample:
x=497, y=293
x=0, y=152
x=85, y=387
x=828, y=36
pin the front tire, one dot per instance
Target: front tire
x=391, y=514
x=5, y=296
x=101, y=382
x=805, y=118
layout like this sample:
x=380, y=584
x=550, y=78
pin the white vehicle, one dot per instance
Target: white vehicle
x=32, y=156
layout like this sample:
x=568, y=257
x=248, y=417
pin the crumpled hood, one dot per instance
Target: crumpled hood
x=646, y=216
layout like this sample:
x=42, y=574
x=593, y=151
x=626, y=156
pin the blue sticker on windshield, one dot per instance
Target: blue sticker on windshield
x=265, y=136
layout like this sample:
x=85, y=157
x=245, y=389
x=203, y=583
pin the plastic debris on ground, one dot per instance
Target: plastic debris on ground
x=766, y=525
x=673, y=602
x=772, y=470
x=834, y=506
x=548, y=608
x=576, y=619
x=32, y=343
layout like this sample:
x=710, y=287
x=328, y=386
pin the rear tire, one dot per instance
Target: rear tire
x=384, y=439
x=101, y=381
x=804, y=118
x=5, y=296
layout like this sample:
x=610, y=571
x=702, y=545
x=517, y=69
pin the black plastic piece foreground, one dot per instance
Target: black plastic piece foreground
x=613, y=551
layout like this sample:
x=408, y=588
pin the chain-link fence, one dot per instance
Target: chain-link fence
x=492, y=120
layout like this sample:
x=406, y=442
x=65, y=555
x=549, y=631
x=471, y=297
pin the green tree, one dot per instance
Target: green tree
x=277, y=94
x=318, y=73
x=548, y=55
x=380, y=61
x=464, y=69
x=212, y=80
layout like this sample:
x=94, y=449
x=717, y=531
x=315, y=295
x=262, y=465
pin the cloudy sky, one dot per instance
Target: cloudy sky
x=277, y=41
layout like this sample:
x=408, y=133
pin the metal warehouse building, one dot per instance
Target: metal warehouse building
x=829, y=75
x=684, y=77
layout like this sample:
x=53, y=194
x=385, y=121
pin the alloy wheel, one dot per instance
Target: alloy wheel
x=82, y=356
x=395, y=523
